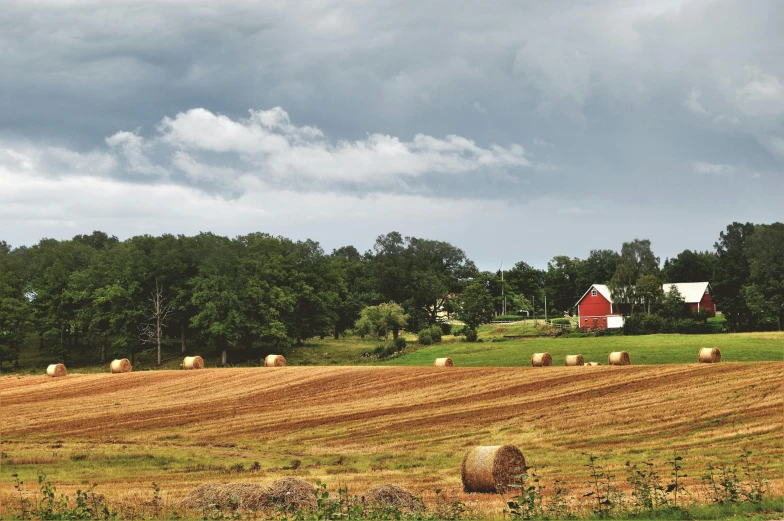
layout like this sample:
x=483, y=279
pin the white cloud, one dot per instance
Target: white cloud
x=269, y=145
x=479, y=108
x=541, y=142
x=694, y=104
x=713, y=168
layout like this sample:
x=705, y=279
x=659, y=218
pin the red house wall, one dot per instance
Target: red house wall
x=597, y=306
x=705, y=303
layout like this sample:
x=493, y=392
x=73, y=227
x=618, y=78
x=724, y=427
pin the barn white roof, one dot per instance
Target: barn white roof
x=692, y=291
x=602, y=289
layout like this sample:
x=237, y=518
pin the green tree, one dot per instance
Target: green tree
x=764, y=294
x=598, y=268
x=476, y=307
x=561, y=283
x=637, y=260
x=14, y=305
x=649, y=291
x=732, y=274
x=674, y=306
x=379, y=321
x=690, y=266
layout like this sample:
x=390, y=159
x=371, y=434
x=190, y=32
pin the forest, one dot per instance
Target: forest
x=96, y=293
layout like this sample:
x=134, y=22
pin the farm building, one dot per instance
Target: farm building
x=696, y=294
x=596, y=310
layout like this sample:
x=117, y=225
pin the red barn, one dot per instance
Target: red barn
x=596, y=310
x=695, y=294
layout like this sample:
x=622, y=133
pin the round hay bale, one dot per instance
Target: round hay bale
x=193, y=362
x=619, y=358
x=444, y=362
x=56, y=370
x=386, y=497
x=234, y=496
x=709, y=355
x=592, y=364
x=274, y=361
x=541, y=360
x=491, y=468
x=121, y=366
x=574, y=360
x=292, y=494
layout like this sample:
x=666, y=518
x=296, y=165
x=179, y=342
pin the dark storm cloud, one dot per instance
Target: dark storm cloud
x=649, y=112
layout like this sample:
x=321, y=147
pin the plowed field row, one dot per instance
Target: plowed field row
x=372, y=425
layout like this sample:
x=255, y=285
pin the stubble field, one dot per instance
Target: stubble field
x=363, y=426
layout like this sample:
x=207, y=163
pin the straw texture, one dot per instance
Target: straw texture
x=710, y=355
x=389, y=496
x=491, y=468
x=121, y=366
x=292, y=494
x=619, y=358
x=274, y=361
x=193, y=362
x=234, y=496
x=574, y=360
x=56, y=370
x=541, y=360
x=444, y=362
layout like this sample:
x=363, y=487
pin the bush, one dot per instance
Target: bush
x=446, y=329
x=435, y=332
x=560, y=321
x=643, y=324
x=471, y=334
x=400, y=343
x=425, y=337
x=509, y=317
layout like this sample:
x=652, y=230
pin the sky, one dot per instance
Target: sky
x=516, y=130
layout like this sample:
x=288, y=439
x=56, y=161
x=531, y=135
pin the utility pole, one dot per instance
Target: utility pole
x=534, y=299
x=545, y=308
x=503, y=294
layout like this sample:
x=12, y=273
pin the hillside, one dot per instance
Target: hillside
x=371, y=425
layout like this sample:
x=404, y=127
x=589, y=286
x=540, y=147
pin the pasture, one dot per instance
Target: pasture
x=362, y=426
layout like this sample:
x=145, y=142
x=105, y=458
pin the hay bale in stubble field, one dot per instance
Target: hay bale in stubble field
x=444, y=362
x=292, y=494
x=234, y=496
x=121, y=366
x=274, y=361
x=574, y=360
x=541, y=360
x=491, y=468
x=709, y=355
x=56, y=370
x=592, y=364
x=619, y=358
x=193, y=362
x=389, y=496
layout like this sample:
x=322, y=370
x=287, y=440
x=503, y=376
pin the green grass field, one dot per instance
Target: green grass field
x=647, y=349
x=500, y=345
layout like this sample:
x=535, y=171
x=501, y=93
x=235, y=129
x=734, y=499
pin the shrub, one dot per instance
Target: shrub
x=400, y=343
x=471, y=334
x=509, y=317
x=425, y=337
x=560, y=321
x=435, y=332
x=446, y=329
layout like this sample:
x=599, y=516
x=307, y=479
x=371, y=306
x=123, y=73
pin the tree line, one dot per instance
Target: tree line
x=95, y=294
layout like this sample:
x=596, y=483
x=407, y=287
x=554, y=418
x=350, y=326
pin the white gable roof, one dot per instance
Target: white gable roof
x=602, y=289
x=692, y=291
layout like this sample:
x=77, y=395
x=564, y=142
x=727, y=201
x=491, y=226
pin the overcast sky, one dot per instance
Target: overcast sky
x=514, y=130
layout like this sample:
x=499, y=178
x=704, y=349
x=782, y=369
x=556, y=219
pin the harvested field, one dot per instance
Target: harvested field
x=366, y=426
